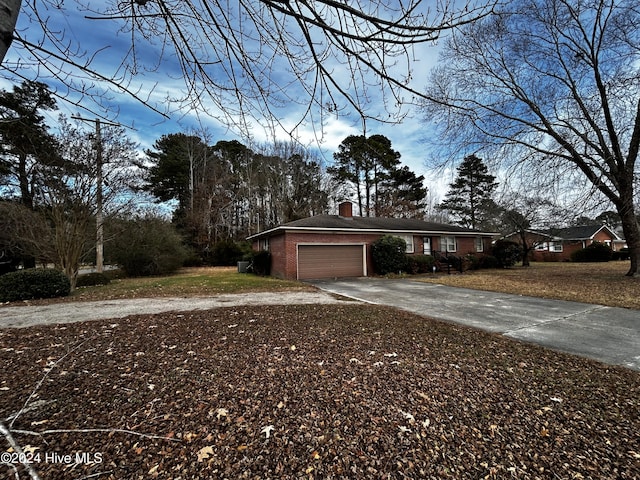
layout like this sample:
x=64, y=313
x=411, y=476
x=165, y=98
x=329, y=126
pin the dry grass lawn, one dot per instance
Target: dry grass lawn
x=599, y=283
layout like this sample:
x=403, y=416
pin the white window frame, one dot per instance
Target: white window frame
x=447, y=241
x=409, y=241
x=264, y=244
x=479, y=241
x=556, y=247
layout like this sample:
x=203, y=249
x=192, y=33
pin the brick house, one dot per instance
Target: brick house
x=557, y=245
x=327, y=246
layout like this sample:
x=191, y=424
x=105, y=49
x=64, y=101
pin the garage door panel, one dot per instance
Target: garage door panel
x=323, y=261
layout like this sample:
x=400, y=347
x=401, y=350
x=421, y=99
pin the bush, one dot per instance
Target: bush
x=261, y=262
x=389, y=255
x=471, y=262
x=488, y=261
x=623, y=254
x=92, y=279
x=146, y=246
x=32, y=284
x=228, y=252
x=596, y=252
x=420, y=264
x=507, y=253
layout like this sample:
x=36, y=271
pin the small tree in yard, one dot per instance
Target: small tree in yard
x=389, y=254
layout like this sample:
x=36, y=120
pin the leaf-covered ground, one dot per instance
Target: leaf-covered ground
x=311, y=392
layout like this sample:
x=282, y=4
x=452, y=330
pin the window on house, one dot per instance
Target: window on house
x=479, y=244
x=264, y=244
x=555, y=247
x=448, y=244
x=409, y=241
x=541, y=246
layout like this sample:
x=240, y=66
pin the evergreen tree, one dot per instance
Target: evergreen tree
x=372, y=168
x=26, y=146
x=403, y=195
x=469, y=197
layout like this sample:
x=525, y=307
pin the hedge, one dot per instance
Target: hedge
x=32, y=284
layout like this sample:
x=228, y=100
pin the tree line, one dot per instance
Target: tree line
x=53, y=191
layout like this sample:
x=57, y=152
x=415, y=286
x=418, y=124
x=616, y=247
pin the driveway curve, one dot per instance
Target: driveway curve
x=26, y=316
x=610, y=335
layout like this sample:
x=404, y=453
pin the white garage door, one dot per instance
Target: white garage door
x=327, y=261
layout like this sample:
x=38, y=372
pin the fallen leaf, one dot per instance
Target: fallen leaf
x=221, y=412
x=267, y=430
x=205, y=453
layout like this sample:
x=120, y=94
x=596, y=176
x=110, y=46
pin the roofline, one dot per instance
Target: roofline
x=285, y=229
x=557, y=237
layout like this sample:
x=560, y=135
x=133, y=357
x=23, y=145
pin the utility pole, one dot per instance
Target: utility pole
x=99, y=199
x=99, y=216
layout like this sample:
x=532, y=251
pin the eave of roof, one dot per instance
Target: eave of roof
x=371, y=225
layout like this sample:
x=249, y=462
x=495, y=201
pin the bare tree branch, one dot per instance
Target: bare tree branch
x=242, y=61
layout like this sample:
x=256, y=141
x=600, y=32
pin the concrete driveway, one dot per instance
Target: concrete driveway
x=610, y=335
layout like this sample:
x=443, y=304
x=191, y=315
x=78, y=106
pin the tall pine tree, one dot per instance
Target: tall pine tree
x=371, y=167
x=469, y=199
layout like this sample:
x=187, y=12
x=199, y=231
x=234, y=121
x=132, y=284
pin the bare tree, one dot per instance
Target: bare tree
x=245, y=58
x=67, y=195
x=522, y=215
x=555, y=84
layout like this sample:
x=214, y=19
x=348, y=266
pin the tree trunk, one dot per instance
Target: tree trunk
x=9, y=11
x=525, y=249
x=632, y=236
x=26, y=193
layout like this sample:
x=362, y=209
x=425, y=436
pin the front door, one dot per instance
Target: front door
x=426, y=242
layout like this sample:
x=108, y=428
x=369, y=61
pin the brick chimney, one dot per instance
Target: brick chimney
x=345, y=210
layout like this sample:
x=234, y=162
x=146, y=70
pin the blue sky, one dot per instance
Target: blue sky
x=408, y=138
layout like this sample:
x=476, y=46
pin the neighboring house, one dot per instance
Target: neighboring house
x=558, y=244
x=328, y=246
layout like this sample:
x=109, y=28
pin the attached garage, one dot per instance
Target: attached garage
x=328, y=246
x=327, y=260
